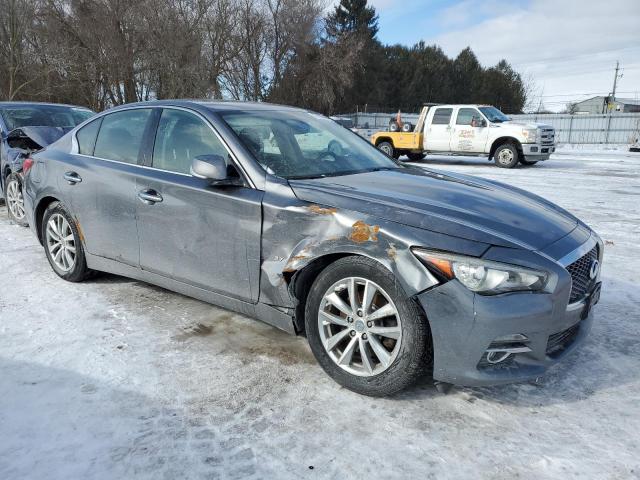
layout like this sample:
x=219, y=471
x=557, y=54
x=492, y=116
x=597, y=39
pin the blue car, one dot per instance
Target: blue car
x=26, y=127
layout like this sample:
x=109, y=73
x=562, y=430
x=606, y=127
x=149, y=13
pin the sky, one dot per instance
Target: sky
x=568, y=48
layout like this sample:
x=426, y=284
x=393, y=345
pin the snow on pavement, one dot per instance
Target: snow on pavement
x=113, y=378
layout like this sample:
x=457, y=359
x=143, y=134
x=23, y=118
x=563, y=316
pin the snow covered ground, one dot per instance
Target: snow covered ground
x=114, y=379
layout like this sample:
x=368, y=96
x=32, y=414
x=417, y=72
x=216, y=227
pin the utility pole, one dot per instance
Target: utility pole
x=612, y=99
x=615, y=83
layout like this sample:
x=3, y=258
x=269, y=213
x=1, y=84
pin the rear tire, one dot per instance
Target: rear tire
x=506, y=155
x=378, y=372
x=63, y=245
x=387, y=148
x=15, y=200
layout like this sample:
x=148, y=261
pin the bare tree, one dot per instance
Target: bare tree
x=16, y=19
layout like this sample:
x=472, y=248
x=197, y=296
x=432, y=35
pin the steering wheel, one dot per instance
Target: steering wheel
x=327, y=156
x=335, y=148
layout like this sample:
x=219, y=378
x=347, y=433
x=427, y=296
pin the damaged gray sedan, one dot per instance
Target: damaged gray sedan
x=281, y=214
x=25, y=128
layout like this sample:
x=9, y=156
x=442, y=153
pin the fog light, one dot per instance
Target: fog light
x=534, y=149
x=502, y=350
x=497, y=356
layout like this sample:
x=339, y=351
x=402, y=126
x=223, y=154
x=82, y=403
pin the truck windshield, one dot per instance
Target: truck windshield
x=494, y=115
x=43, y=116
x=297, y=144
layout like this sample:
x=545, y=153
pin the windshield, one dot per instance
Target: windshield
x=43, y=116
x=297, y=144
x=494, y=115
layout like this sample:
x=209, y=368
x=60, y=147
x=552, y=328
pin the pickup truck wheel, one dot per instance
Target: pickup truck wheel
x=506, y=155
x=386, y=148
x=364, y=330
x=15, y=200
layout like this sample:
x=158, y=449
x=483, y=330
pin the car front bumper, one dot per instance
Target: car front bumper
x=465, y=327
x=537, y=151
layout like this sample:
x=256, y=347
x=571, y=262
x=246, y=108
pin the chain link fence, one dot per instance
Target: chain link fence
x=615, y=128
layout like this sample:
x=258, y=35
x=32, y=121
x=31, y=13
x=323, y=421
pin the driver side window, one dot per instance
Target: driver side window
x=181, y=137
x=468, y=116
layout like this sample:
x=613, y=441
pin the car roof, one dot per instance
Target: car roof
x=214, y=105
x=39, y=104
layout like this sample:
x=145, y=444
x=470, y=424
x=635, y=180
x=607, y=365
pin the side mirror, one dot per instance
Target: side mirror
x=211, y=167
x=214, y=168
x=480, y=122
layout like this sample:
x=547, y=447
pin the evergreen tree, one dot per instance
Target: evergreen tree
x=352, y=16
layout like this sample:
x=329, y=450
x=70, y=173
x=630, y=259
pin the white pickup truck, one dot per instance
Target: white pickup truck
x=469, y=130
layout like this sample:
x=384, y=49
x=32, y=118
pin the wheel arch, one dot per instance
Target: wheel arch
x=501, y=141
x=379, y=140
x=39, y=214
x=300, y=281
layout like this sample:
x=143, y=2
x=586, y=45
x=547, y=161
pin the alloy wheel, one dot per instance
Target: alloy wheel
x=61, y=242
x=15, y=201
x=359, y=326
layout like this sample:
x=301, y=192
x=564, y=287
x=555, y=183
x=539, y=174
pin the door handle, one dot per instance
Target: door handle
x=72, y=178
x=149, y=197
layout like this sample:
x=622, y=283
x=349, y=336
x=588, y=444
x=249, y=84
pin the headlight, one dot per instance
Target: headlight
x=484, y=277
x=530, y=136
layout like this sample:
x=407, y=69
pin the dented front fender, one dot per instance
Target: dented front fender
x=296, y=233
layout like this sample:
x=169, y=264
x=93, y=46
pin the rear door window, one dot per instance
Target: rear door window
x=121, y=135
x=442, y=116
x=86, y=137
x=180, y=138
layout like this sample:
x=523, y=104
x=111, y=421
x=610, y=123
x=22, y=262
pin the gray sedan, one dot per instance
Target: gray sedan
x=281, y=214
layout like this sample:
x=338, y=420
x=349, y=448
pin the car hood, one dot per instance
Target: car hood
x=452, y=204
x=35, y=137
x=528, y=125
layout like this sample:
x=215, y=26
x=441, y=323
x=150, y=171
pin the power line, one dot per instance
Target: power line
x=588, y=93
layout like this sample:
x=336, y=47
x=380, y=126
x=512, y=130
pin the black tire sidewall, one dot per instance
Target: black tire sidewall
x=514, y=150
x=412, y=359
x=10, y=177
x=79, y=270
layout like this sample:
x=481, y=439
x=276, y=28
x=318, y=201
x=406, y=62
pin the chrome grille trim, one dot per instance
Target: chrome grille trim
x=581, y=282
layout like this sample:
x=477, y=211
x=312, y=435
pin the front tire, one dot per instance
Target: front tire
x=15, y=200
x=363, y=329
x=506, y=155
x=63, y=245
x=387, y=149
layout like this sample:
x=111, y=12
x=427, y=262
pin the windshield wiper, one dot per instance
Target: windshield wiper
x=341, y=173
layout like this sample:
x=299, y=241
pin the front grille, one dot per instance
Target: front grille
x=579, y=270
x=548, y=136
x=558, y=342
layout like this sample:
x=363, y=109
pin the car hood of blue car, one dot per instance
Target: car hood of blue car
x=452, y=204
